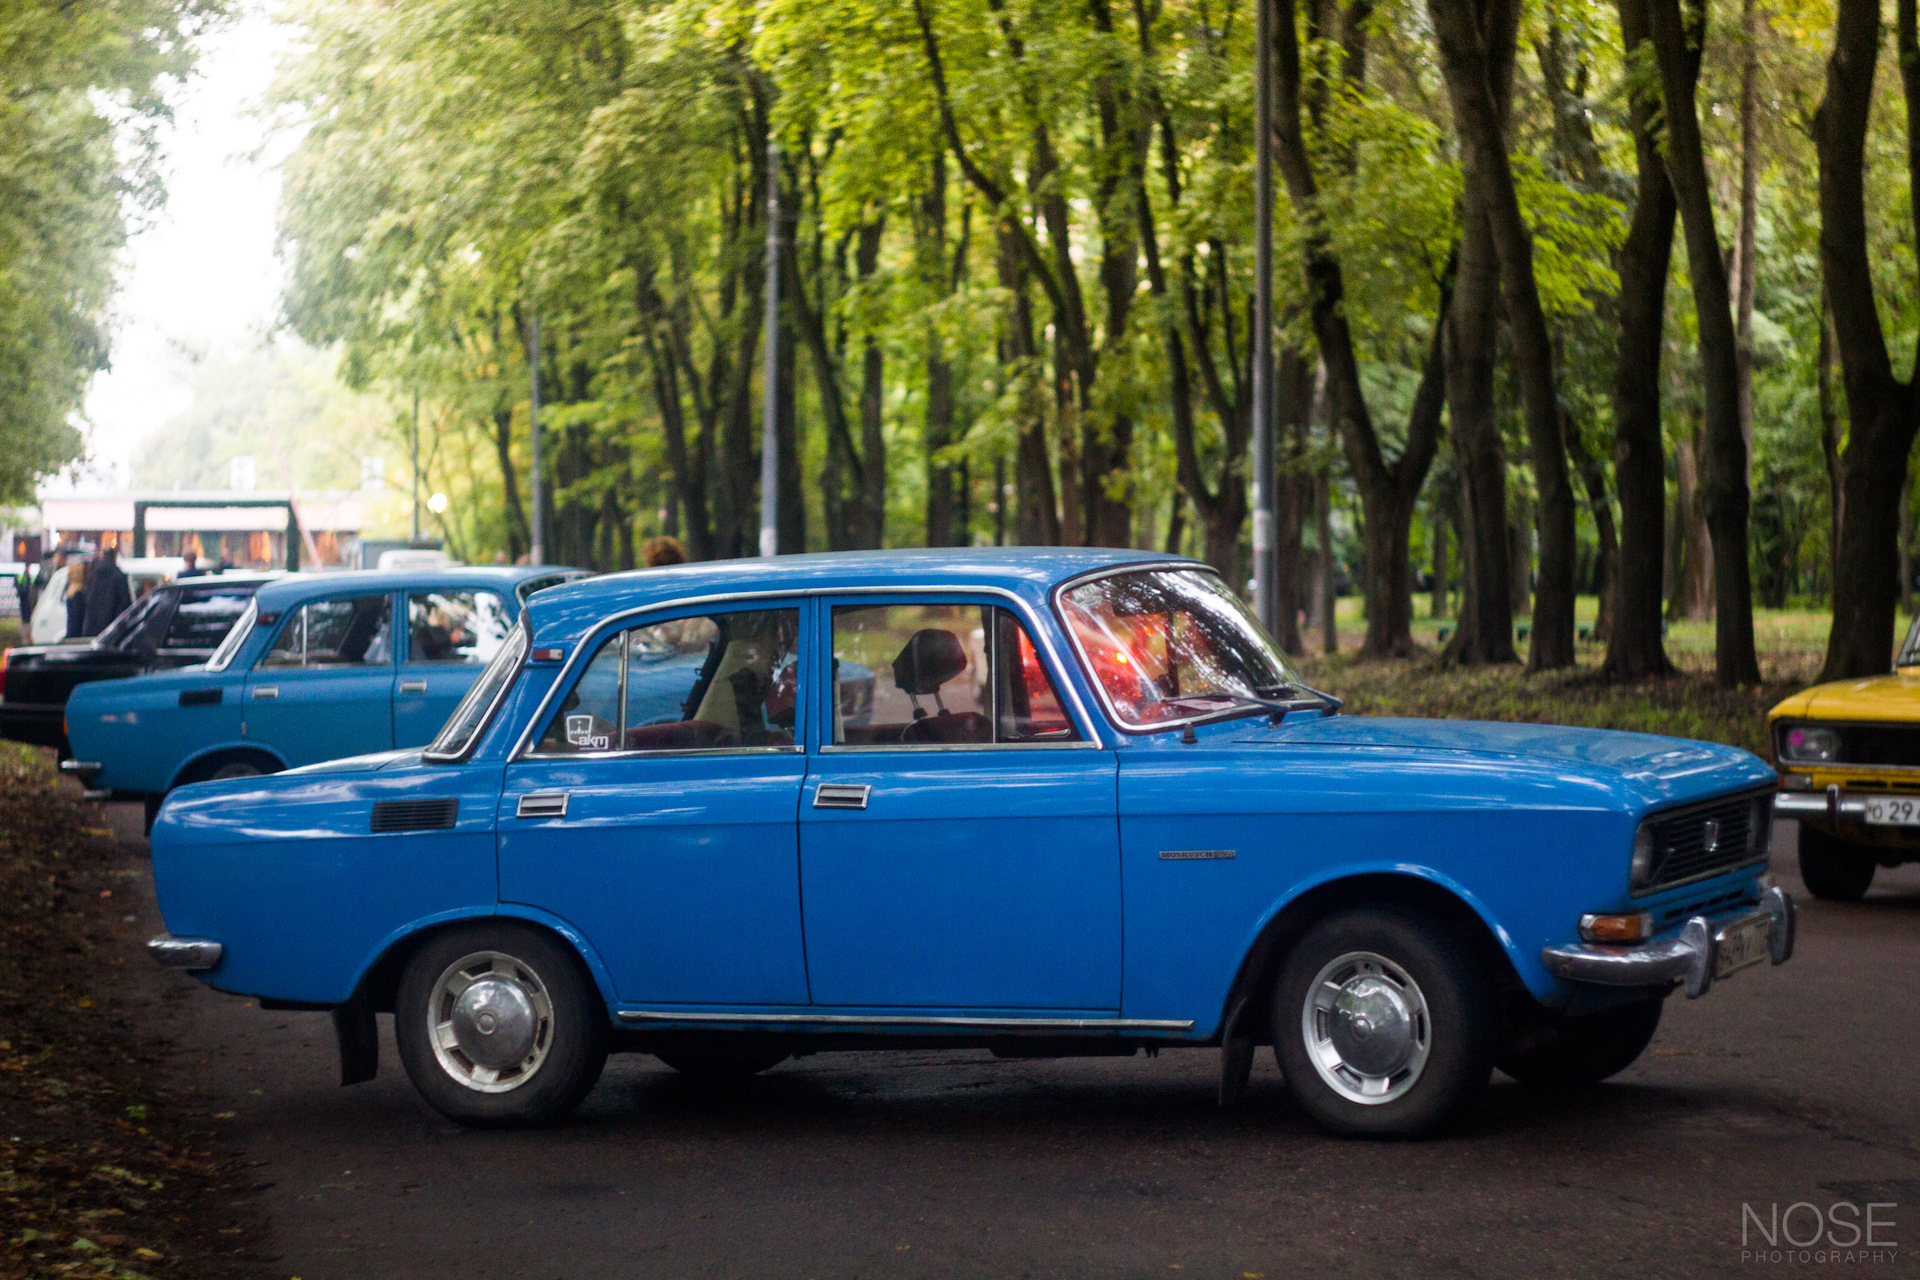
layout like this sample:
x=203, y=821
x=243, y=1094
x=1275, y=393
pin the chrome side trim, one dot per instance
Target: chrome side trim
x=582, y=757
x=1687, y=958
x=81, y=768
x=1083, y=718
x=191, y=954
x=889, y=1020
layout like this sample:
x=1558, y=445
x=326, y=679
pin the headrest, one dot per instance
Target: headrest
x=931, y=658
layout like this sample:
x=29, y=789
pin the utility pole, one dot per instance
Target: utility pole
x=416, y=464
x=1264, y=597
x=770, y=428
x=537, y=554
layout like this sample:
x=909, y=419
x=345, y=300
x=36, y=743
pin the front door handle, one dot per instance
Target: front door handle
x=266, y=693
x=413, y=686
x=841, y=795
x=542, y=804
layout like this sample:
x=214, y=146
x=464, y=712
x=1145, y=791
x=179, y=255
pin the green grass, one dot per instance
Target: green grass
x=1791, y=644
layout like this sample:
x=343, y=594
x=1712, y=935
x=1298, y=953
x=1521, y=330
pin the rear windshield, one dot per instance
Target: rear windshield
x=463, y=727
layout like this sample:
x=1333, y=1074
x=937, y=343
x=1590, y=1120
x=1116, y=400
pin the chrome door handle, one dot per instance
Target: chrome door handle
x=841, y=795
x=542, y=804
x=266, y=693
x=413, y=686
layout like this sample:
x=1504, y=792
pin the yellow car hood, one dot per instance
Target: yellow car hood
x=1889, y=697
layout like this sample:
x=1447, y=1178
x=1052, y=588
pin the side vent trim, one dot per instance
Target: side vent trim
x=415, y=815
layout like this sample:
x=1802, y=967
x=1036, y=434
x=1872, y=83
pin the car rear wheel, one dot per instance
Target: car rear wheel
x=1835, y=869
x=1383, y=1023
x=499, y=1025
x=1587, y=1049
x=723, y=1068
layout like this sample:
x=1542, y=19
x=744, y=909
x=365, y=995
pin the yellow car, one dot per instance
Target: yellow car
x=1849, y=760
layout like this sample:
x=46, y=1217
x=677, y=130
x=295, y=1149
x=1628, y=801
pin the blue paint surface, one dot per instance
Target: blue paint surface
x=978, y=881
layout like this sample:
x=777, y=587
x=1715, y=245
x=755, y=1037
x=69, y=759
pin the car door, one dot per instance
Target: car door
x=452, y=633
x=959, y=845
x=653, y=807
x=324, y=687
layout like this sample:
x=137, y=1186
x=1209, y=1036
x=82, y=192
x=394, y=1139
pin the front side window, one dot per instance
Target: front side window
x=356, y=631
x=940, y=675
x=463, y=727
x=713, y=682
x=1168, y=645
x=205, y=615
x=456, y=626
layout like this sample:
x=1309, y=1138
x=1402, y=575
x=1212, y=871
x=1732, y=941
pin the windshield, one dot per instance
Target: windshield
x=1165, y=646
x=463, y=727
x=236, y=636
x=122, y=629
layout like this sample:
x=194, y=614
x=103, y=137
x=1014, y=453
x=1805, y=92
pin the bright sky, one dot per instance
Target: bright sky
x=204, y=276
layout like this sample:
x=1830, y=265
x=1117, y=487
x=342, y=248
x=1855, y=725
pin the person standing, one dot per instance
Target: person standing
x=76, y=599
x=108, y=595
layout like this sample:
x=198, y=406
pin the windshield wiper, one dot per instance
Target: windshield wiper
x=1279, y=707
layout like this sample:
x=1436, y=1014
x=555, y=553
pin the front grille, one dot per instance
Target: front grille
x=415, y=815
x=1896, y=745
x=1684, y=849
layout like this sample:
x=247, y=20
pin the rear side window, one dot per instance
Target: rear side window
x=204, y=616
x=940, y=675
x=719, y=681
x=354, y=631
x=456, y=626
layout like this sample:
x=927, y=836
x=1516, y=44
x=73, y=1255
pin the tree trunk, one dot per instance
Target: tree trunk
x=1329, y=571
x=1634, y=647
x=1037, y=513
x=1438, y=536
x=1477, y=42
x=873, y=390
x=1676, y=44
x=1880, y=408
x=1485, y=631
x=1293, y=398
x=1693, y=597
x=1743, y=247
x=1833, y=432
x=516, y=514
x=937, y=432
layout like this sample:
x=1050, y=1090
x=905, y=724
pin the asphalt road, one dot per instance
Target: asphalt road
x=1791, y=1086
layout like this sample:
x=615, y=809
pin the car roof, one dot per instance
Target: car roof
x=568, y=611
x=296, y=589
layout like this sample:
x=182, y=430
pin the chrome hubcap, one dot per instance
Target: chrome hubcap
x=1366, y=1028
x=492, y=1021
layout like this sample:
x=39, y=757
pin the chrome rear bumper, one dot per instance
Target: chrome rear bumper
x=184, y=953
x=1692, y=957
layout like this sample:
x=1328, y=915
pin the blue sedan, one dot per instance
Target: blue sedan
x=1047, y=802
x=317, y=667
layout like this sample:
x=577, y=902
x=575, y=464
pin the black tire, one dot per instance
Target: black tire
x=566, y=1048
x=723, y=1068
x=1424, y=979
x=1589, y=1049
x=1835, y=869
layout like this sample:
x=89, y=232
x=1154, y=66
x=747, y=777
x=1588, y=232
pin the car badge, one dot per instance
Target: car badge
x=1713, y=835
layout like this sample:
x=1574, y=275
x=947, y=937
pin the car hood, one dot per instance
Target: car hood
x=1654, y=769
x=373, y=762
x=1894, y=696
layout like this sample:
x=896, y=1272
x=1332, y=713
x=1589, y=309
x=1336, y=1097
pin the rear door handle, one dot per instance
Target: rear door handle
x=413, y=686
x=841, y=795
x=266, y=693
x=542, y=804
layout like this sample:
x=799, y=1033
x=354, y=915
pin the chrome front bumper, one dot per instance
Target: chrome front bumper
x=1690, y=958
x=1833, y=804
x=184, y=953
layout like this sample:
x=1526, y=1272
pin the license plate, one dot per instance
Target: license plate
x=1893, y=811
x=1742, y=945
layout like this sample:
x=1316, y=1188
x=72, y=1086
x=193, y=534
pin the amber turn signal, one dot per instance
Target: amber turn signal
x=1637, y=927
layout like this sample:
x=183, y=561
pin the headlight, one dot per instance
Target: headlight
x=1640, y=870
x=1809, y=743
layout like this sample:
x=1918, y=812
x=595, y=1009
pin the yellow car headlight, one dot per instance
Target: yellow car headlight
x=1810, y=744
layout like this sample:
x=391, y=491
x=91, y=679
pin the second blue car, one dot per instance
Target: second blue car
x=318, y=667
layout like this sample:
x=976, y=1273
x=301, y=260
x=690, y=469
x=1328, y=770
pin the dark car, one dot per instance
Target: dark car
x=177, y=624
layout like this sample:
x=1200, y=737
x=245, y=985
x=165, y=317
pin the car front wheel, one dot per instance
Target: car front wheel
x=1383, y=1023
x=499, y=1025
x=1832, y=868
